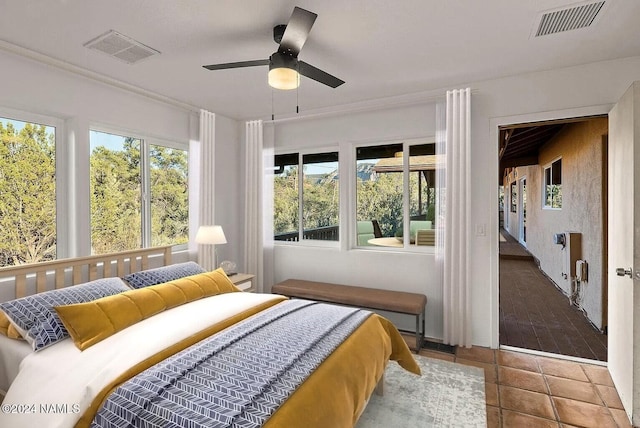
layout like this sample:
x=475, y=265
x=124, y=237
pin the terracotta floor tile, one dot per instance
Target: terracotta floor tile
x=621, y=418
x=520, y=420
x=531, y=403
x=562, y=368
x=476, y=353
x=490, y=372
x=610, y=396
x=493, y=417
x=598, y=374
x=491, y=394
x=517, y=360
x=583, y=414
x=522, y=379
x=574, y=389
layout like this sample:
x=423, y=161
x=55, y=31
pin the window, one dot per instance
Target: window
x=514, y=197
x=123, y=171
x=315, y=199
x=383, y=178
x=553, y=185
x=28, y=189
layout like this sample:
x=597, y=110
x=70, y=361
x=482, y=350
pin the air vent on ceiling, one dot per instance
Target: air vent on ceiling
x=121, y=47
x=568, y=18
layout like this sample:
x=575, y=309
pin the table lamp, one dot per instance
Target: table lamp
x=211, y=235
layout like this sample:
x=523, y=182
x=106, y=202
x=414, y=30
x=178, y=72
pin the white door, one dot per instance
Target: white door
x=624, y=246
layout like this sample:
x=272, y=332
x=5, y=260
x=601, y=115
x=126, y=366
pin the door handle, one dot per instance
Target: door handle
x=624, y=272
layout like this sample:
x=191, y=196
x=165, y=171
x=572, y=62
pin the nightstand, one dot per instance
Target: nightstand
x=243, y=281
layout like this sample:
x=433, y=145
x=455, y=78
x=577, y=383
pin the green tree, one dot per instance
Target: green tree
x=381, y=199
x=115, y=198
x=27, y=194
x=285, y=203
x=169, y=196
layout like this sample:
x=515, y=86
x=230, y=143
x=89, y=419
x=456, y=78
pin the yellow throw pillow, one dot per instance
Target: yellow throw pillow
x=89, y=323
x=8, y=329
x=4, y=324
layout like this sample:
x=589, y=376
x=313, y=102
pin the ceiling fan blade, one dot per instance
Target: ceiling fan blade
x=237, y=64
x=318, y=75
x=297, y=31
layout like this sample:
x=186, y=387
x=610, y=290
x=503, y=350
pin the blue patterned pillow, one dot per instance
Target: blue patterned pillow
x=149, y=277
x=37, y=321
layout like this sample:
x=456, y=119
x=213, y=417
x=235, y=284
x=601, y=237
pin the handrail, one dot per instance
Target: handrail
x=138, y=260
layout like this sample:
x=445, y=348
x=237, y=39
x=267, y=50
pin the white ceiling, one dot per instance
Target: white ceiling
x=381, y=48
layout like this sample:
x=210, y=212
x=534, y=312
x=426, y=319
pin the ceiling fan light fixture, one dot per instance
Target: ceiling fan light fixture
x=283, y=72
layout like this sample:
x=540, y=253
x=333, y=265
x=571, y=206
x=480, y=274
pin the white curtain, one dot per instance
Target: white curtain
x=453, y=207
x=206, y=255
x=253, y=227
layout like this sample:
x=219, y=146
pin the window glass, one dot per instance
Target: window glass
x=381, y=182
x=422, y=182
x=28, y=189
x=116, y=193
x=286, y=201
x=169, y=196
x=320, y=196
x=379, y=190
x=553, y=185
x=315, y=200
x=121, y=217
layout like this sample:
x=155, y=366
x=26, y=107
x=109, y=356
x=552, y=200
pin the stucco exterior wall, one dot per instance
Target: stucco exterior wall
x=580, y=145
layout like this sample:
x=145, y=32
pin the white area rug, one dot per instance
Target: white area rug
x=446, y=395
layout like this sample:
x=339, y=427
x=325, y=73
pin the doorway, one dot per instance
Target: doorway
x=557, y=179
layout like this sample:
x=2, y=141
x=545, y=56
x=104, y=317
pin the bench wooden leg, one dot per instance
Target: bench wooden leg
x=420, y=331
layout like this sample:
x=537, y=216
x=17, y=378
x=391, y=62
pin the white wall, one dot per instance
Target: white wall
x=587, y=89
x=412, y=272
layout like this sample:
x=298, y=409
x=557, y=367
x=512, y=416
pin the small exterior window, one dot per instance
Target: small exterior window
x=514, y=197
x=306, y=210
x=553, y=185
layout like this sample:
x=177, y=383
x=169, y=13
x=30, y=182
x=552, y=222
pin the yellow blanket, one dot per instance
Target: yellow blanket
x=334, y=395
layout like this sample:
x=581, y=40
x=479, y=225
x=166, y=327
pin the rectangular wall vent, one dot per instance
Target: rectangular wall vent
x=567, y=19
x=121, y=47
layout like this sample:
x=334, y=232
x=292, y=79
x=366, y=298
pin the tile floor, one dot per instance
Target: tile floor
x=534, y=314
x=525, y=390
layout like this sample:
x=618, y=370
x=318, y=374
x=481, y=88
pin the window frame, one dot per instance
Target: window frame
x=406, y=195
x=62, y=181
x=545, y=168
x=146, y=141
x=301, y=152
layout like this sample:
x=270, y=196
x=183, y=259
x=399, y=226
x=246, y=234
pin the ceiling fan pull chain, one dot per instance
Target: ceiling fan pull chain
x=272, y=115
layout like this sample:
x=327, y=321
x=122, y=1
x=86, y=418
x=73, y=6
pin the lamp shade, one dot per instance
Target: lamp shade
x=284, y=78
x=210, y=235
x=283, y=71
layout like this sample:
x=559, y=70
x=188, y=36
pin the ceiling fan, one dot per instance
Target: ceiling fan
x=284, y=66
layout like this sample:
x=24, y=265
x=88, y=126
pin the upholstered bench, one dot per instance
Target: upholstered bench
x=370, y=298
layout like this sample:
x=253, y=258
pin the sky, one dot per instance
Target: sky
x=110, y=141
x=18, y=125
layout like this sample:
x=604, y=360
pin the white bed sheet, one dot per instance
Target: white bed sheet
x=63, y=376
x=12, y=352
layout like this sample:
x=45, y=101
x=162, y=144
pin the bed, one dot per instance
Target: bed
x=215, y=356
